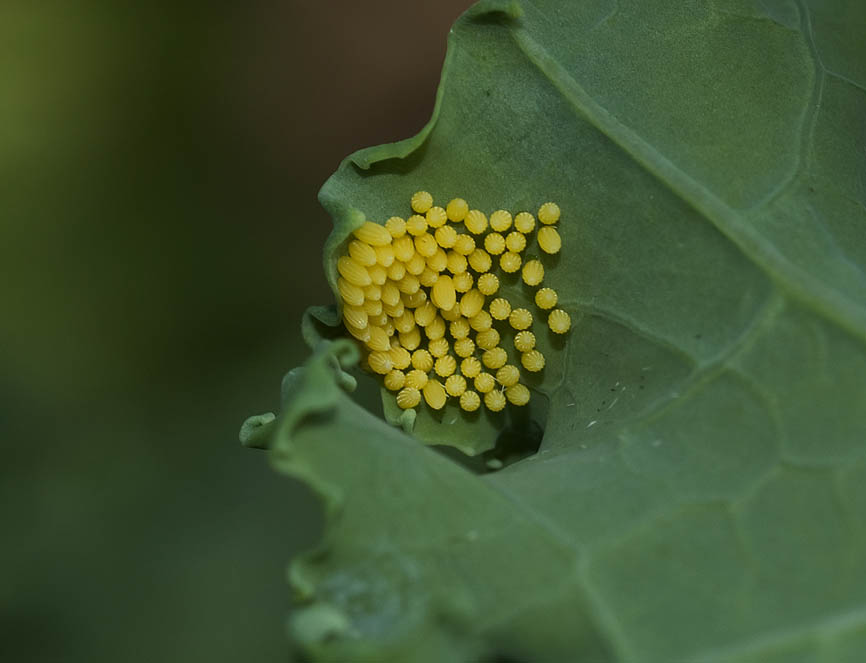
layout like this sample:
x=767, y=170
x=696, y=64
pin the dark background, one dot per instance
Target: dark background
x=159, y=239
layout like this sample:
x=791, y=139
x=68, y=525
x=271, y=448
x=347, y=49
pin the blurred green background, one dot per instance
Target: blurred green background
x=159, y=239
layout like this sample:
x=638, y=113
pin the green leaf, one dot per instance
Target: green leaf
x=700, y=489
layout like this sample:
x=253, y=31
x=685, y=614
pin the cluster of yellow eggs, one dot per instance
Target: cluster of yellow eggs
x=420, y=295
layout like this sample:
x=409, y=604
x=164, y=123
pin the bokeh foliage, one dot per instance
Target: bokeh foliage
x=158, y=204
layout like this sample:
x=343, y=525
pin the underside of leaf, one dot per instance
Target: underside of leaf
x=699, y=492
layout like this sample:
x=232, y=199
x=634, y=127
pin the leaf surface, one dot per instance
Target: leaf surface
x=700, y=490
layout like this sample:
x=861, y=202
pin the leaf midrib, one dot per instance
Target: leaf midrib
x=826, y=300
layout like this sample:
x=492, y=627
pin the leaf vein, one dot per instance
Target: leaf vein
x=834, y=305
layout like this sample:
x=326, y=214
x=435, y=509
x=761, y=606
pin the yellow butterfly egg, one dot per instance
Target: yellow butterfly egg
x=484, y=382
x=494, y=243
x=409, y=284
x=464, y=244
x=455, y=385
x=378, y=320
x=373, y=292
x=480, y=260
x=488, y=284
x=533, y=272
x=362, y=252
x=416, y=379
x=546, y=298
x=379, y=341
x=390, y=294
x=520, y=318
x=500, y=220
x=456, y=263
x=494, y=358
x=410, y=339
x=394, y=311
x=385, y=255
x=500, y=308
x=414, y=299
x=549, y=240
x=426, y=245
x=378, y=274
x=405, y=322
x=559, y=321
x=548, y=213
x=373, y=234
x=438, y=261
x=510, y=262
x=464, y=347
x=408, y=398
x=515, y=242
x=396, y=272
x=372, y=307
x=416, y=225
x=481, y=321
x=350, y=293
x=425, y=314
x=438, y=347
x=416, y=264
x=435, y=394
x=452, y=313
x=435, y=329
x=443, y=294
x=380, y=362
x=395, y=380
x=470, y=367
x=446, y=236
x=422, y=360
x=494, y=401
x=403, y=248
x=421, y=201
x=445, y=366
x=508, y=375
x=457, y=209
x=517, y=394
x=533, y=361
x=428, y=277
x=400, y=357
x=360, y=333
x=470, y=401
x=475, y=222
x=487, y=340
x=471, y=303
x=524, y=223
x=524, y=341
x=436, y=217
x=422, y=312
x=353, y=271
x=355, y=316
x=396, y=226
x=459, y=328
